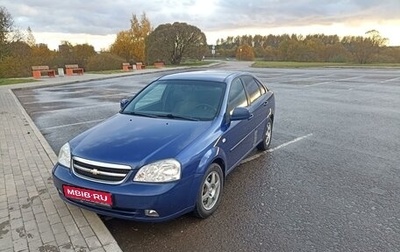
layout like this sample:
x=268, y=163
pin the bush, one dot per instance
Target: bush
x=104, y=61
x=11, y=67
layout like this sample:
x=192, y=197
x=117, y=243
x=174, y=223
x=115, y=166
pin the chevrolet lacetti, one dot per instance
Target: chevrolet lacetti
x=169, y=149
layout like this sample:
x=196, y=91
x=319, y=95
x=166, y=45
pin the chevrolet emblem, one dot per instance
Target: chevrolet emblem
x=95, y=172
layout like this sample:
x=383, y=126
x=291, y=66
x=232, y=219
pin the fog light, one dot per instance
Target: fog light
x=151, y=213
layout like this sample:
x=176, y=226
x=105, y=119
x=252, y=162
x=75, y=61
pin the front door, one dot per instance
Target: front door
x=236, y=141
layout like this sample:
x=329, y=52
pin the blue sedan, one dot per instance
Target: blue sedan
x=169, y=149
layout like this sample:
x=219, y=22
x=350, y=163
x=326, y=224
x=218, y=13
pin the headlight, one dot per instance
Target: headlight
x=161, y=171
x=64, y=157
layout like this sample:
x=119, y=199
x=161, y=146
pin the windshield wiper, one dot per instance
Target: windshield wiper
x=173, y=116
x=139, y=114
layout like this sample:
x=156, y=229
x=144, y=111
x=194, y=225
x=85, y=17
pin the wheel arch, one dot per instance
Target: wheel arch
x=214, y=155
x=221, y=163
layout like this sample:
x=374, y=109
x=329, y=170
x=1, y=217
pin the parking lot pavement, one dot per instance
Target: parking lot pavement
x=329, y=183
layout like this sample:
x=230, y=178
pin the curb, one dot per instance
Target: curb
x=98, y=227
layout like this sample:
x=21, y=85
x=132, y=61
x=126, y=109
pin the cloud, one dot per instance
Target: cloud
x=101, y=18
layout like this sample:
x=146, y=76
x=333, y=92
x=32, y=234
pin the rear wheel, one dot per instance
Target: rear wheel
x=210, y=192
x=267, y=136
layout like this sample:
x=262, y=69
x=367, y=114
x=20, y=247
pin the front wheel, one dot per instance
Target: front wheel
x=267, y=136
x=210, y=192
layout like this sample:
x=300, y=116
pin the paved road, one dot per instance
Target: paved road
x=330, y=183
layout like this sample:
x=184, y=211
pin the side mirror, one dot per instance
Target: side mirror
x=123, y=103
x=240, y=113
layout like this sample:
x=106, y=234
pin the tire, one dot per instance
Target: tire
x=264, y=145
x=210, y=192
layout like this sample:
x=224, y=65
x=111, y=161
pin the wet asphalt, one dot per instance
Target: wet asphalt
x=331, y=181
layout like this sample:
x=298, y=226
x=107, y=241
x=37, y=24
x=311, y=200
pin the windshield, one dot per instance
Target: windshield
x=179, y=99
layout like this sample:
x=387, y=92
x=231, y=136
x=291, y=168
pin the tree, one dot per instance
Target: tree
x=74, y=54
x=245, y=52
x=173, y=42
x=6, y=24
x=122, y=46
x=104, y=61
x=336, y=53
x=81, y=53
x=140, y=31
x=364, y=49
x=359, y=47
x=17, y=62
x=42, y=55
x=64, y=54
x=30, y=39
x=376, y=38
x=130, y=44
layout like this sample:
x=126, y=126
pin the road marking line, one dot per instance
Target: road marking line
x=274, y=149
x=72, y=124
x=318, y=84
x=388, y=80
x=290, y=142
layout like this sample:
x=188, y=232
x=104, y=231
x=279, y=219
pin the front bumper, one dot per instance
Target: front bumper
x=131, y=199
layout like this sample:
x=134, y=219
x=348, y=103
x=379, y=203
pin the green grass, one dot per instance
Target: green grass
x=284, y=64
x=10, y=81
x=196, y=63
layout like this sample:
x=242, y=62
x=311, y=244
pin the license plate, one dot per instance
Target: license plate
x=98, y=197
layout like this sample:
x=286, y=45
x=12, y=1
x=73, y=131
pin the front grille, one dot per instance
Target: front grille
x=99, y=171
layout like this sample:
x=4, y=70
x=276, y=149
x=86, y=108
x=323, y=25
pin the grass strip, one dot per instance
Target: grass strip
x=10, y=81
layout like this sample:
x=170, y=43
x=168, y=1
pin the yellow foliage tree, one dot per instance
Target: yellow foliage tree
x=122, y=46
x=245, y=52
x=130, y=44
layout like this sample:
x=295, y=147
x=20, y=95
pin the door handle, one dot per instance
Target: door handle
x=265, y=103
x=251, y=116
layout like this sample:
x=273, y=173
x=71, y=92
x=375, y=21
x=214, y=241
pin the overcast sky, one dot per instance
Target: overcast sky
x=96, y=22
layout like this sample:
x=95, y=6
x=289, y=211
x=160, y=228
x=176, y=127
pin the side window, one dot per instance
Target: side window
x=237, y=96
x=252, y=87
x=262, y=87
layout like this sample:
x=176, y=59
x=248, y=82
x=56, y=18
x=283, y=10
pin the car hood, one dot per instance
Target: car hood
x=135, y=140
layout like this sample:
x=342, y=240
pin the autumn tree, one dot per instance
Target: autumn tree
x=364, y=49
x=245, y=52
x=64, y=54
x=335, y=53
x=74, y=54
x=122, y=46
x=81, y=53
x=174, y=42
x=104, y=61
x=130, y=44
x=376, y=38
x=42, y=55
x=359, y=47
x=226, y=47
x=315, y=47
x=17, y=61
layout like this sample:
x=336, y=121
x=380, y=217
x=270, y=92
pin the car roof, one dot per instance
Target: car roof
x=207, y=75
